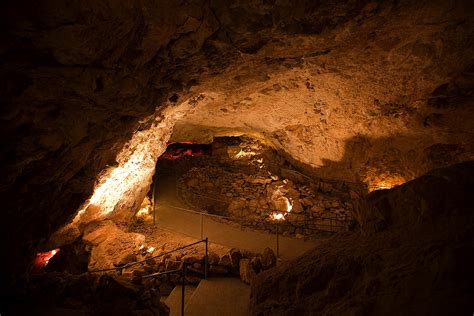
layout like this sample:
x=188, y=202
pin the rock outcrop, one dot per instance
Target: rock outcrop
x=420, y=262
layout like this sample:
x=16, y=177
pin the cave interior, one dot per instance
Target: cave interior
x=259, y=157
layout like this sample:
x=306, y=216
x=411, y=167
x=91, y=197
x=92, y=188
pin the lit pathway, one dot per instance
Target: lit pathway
x=170, y=216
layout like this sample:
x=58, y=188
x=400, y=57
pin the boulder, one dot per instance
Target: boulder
x=235, y=257
x=280, y=204
x=146, y=202
x=191, y=259
x=247, y=254
x=262, y=202
x=253, y=204
x=247, y=273
x=256, y=264
x=317, y=208
x=213, y=258
x=232, y=151
x=268, y=259
x=236, y=206
x=261, y=180
x=225, y=261
x=172, y=265
x=306, y=202
x=109, y=244
x=127, y=259
x=297, y=207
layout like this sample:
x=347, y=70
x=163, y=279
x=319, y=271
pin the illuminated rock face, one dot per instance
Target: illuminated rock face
x=378, y=93
x=417, y=241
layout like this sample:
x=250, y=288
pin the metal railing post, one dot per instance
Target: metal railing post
x=206, y=268
x=183, y=274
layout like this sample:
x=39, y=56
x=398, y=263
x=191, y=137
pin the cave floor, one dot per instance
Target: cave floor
x=172, y=215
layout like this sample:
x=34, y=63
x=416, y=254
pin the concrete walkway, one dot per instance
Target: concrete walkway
x=174, y=299
x=170, y=215
x=219, y=297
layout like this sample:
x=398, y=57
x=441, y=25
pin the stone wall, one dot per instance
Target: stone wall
x=251, y=200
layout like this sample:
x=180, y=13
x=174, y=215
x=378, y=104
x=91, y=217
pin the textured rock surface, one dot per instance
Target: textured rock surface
x=355, y=90
x=421, y=264
x=65, y=294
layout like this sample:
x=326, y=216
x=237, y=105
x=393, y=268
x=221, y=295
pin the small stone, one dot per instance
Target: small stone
x=297, y=208
x=317, y=209
x=306, y=202
x=173, y=265
x=247, y=273
x=225, y=261
x=256, y=264
x=268, y=259
x=213, y=258
x=261, y=180
x=235, y=257
x=191, y=259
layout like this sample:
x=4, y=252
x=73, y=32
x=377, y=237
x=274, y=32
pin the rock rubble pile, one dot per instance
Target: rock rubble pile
x=252, y=199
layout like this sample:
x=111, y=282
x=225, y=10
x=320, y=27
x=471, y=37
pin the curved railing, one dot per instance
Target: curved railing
x=130, y=264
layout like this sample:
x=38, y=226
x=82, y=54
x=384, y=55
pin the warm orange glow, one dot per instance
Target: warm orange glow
x=136, y=165
x=278, y=216
x=42, y=259
x=146, y=250
x=244, y=154
x=143, y=212
x=386, y=182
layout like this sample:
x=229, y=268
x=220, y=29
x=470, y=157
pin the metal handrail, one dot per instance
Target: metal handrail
x=182, y=270
x=183, y=281
x=160, y=273
x=340, y=219
x=122, y=267
x=230, y=217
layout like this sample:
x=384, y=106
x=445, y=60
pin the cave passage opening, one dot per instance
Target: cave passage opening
x=243, y=181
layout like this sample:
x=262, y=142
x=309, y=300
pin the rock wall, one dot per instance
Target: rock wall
x=252, y=201
x=418, y=263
